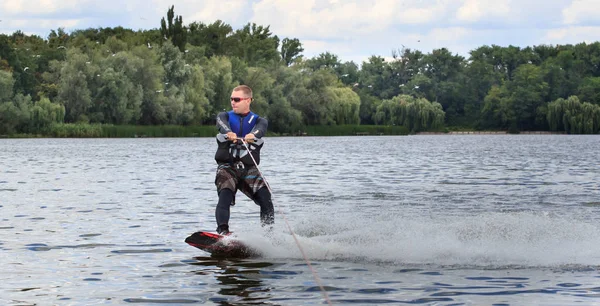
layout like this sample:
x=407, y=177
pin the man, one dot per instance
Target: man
x=236, y=169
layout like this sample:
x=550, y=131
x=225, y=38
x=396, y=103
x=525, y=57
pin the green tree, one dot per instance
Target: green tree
x=195, y=95
x=174, y=65
x=114, y=45
x=407, y=64
x=481, y=78
x=215, y=37
x=73, y=90
x=58, y=38
x=291, y=49
x=324, y=60
x=589, y=90
x=368, y=107
x=589, y=55
x=283, y=117
x=26, y=57
x=517, y=102
x=348, y=73
x=417, y=114
x=7, y=52
x=173, y=29
x=574, y=71
x=15, y=116
x=556, y=78
x=45, y=113
x=528, y=90
x=419, y=86
x=178, y=110
x=494, y=113
x=260, y=81
x=255, y=44
x=119, y=97
x=219, y=82
x=446, y=72
x=376, y=78
x=573, y=117
x=149, y=73
x=545, y=52
x=6, y=85
x=312, y=98
x=343, y=104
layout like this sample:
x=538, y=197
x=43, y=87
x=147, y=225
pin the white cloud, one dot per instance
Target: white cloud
x=40, y=16
x=476, y=10
x=211, y=10
x=580, y=11
x=572, y=35
x=52, y=7
x=382, y=44
x=342, y=19
x=449, y=34
x=45, y=23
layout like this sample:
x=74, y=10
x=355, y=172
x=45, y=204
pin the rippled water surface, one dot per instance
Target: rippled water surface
x=441, y=220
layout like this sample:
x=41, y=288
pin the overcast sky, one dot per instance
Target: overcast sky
x=351, y=29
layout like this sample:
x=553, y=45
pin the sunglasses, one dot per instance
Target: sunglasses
x=236, y=99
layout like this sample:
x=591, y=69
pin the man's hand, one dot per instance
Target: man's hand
x=250, y=137
x=231, y=136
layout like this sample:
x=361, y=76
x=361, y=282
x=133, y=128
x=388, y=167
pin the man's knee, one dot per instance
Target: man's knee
x=263, y=195
x=226, y=197
x=225, y=191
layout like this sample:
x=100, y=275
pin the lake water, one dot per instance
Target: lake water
x=437, y=220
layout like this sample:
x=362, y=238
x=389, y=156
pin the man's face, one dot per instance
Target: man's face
x=240, y=103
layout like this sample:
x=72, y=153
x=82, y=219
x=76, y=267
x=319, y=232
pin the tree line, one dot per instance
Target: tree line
x=183, y=75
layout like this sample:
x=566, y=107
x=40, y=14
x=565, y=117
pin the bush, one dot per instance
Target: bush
x=75, y=130
x=353, y=130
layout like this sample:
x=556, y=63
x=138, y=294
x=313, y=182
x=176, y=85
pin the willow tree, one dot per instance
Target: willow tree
x=150, y=75
x=573, y=117
x=45, y=113
x=417, y=114
x=309, y=95
x=344, y=104
x=286, y=92
x=218, y=78
x=195, y=95
x=73, y=91
x=6, y=85
x=15, y=115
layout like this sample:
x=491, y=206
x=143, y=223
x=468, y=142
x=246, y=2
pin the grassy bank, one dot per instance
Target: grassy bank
x=124, y=131
x=78, y=130
x=354, y=130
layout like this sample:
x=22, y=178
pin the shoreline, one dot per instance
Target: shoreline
x=308, y=135
x=492, y=133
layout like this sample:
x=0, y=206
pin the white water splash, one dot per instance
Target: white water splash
x=492, y=240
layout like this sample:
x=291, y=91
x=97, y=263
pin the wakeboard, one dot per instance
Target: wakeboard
x=221, y=246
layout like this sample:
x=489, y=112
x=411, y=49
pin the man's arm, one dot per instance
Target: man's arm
x=260, y=129
x=223, y=123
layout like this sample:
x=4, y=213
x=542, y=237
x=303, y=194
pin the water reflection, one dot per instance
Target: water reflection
x=242, y=280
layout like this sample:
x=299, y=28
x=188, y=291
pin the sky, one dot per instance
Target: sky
x=353, y=30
